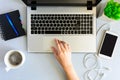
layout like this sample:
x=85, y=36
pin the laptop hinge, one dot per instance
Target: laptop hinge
x=89, y=5
x=33, y=7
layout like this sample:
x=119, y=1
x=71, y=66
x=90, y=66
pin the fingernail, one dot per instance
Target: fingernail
x=55, y=39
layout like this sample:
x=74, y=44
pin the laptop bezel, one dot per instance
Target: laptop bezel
x=60, y=4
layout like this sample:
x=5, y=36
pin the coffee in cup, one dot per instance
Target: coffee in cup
x=14, y=59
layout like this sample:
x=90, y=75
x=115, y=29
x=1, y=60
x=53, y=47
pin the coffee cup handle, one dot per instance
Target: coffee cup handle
x=7, y=69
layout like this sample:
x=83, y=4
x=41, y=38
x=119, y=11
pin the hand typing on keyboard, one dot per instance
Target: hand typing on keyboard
x=63, y=54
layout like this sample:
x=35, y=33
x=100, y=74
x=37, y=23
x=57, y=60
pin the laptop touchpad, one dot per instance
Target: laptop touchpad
x=49, y=41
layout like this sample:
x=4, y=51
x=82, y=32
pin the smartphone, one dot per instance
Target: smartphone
x=108, y=45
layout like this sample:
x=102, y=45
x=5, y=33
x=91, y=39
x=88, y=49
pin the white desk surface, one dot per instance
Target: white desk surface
x=40, y=66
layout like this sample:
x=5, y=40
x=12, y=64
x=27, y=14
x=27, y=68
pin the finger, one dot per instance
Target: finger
x=54, y=50
x=62, y=45
x=58, y=44
x=69, y=48
x=65, y=45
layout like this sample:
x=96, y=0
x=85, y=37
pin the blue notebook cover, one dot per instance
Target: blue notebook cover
x=11, y=26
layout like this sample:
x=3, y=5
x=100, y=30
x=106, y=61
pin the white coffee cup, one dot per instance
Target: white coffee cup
x=14, y=59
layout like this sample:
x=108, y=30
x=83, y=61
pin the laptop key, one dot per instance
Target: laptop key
x=52, y=32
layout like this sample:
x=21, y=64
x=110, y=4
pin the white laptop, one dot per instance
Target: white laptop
x=73, y=21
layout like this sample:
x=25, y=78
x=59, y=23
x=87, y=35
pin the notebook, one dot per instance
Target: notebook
x=10, y=25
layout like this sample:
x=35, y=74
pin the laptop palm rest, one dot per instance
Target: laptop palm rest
x=49, y=41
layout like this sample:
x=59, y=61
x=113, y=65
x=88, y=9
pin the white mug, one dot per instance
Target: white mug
x=14, y=59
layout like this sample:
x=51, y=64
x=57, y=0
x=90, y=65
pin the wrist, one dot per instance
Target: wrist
x=68, y=67
x=70, y=72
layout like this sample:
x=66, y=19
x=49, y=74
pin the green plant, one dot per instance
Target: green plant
x=112, y=10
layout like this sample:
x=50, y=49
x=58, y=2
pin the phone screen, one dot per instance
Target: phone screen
x=108, y=44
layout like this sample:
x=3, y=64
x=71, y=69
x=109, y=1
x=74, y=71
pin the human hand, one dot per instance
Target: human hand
x=62, y=53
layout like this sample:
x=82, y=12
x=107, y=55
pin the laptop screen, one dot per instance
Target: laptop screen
x=61, y=2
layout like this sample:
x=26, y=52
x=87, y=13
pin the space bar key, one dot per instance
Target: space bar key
x=52, y=32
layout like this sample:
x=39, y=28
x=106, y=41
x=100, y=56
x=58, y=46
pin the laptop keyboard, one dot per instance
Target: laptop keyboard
x=61, y=23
